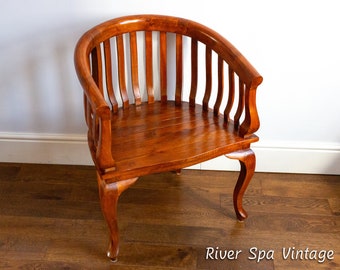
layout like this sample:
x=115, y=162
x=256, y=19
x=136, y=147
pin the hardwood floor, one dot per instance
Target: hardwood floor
x=50, y=218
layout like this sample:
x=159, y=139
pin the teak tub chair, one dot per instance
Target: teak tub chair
x=149, y=111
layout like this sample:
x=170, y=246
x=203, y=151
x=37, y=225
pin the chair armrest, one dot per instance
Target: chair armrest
x=251, y=122
x=239, y=65
x=250, y=80
x=97, y=113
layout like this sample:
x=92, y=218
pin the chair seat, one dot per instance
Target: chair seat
x=161, y=137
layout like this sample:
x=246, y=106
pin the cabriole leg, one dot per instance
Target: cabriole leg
x=247, y=161
x=109, y=195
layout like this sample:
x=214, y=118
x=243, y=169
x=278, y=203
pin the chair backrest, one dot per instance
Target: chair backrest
x=130, y=60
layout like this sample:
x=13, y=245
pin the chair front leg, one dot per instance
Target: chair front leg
x=247, y=161
x=109, y=195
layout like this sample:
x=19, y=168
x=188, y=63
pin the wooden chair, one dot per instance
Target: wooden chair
x=148, y=110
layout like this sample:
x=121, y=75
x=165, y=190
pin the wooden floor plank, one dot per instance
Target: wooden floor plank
x=301, y=186
x=50, y=218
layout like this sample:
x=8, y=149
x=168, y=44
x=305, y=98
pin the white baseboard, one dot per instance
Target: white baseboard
x=288, y=157
x=283, y=157
x=44, y=148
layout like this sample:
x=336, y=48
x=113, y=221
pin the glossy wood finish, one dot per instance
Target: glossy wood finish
x=131, y=134
x=53, y=220
x=247, y=162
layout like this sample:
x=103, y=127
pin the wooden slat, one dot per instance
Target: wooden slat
x=95, y=129
x=97, y=69
x=231, y=94
x=220, y=87
x=108, y=75
x=149, y=66
x=121, y=71
x=87, y=110
x=134, y=67
x=208, y=79
x=179, y=68
x=193, y=89
x=240, y=105
x=163, y=66
x=158, y=118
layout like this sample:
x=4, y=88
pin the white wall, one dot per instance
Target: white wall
x=293, y=44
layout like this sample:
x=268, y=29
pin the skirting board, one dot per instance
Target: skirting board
x=276, y=156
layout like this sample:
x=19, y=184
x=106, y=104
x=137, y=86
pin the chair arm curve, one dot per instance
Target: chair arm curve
x=90, y=88
x=227, y=51
x=251, y=122
x=97, y=111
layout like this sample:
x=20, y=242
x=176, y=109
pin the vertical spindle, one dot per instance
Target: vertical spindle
x=121, y=70
x=108, y=75
x=231, y=94
x=220, y=86
x=179, y=69
x=208, y=79
x=97, y=70
x=193, y=89
x=240, y=105
x=134, y=68
x=148, y=66
x=163, y=66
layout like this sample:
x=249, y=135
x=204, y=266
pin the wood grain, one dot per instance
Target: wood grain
x=54, y=221
x=160, y=134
